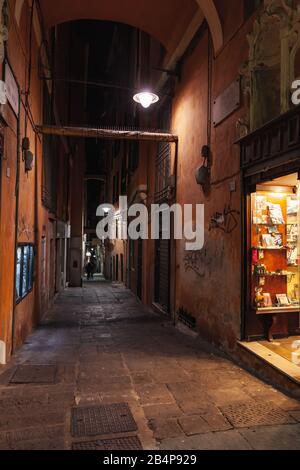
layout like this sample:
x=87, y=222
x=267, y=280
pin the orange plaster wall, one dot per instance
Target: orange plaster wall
x=213, y=295
x=33, y=221
x=25, y=313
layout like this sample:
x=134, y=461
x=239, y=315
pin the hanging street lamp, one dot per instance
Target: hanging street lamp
x=146, y=98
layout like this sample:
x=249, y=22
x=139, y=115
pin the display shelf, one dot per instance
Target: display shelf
x=269, y=248
x=272, y=225
x=273, y=248
x=274, y=310
x=273, y=274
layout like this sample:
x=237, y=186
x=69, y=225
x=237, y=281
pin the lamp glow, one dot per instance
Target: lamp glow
x=146, y=99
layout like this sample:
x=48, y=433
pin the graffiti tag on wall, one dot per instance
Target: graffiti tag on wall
x=226, y=221
x=205, y=261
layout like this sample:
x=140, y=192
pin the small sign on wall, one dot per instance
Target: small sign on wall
x=12, y=89
x=2, y=352
x=227, y=102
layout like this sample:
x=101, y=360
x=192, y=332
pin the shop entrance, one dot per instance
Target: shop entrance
x=273, y=265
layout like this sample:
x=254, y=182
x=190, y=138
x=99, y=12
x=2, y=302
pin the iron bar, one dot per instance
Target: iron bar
x=108, y=134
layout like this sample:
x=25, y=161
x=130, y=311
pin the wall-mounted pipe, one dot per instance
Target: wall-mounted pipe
x=17, y=196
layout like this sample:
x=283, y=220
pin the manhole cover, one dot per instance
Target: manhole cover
x=124, y=443
x=246, y=415
x=97, y=420
x=37, y=374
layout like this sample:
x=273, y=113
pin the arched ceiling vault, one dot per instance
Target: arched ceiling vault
x=171, y=22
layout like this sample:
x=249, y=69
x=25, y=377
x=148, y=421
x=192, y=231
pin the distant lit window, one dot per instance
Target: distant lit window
x=24, y=270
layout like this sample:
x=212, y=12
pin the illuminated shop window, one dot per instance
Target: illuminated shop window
x=275, y=247
x=24, y=271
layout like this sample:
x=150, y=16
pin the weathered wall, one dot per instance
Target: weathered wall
x=208, y=283
x=34, y=222
x=25, y=312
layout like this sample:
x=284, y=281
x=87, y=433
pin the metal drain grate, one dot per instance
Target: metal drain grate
x=246, y=415
x=36, y=374
x=99, y=420
x=123, y=443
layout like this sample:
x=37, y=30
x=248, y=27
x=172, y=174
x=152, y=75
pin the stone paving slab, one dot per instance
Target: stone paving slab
x=295, y=415
x=227, y=396
x=108, y=349
x=153, y=394
x=9, y=421
x=165, y=428
x=212, y=421
x=37, y=444
x=230, y=440
x=162, y=411
x=274, y=437
x=32, y=434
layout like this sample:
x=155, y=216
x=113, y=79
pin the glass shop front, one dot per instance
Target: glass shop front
x=273, y=267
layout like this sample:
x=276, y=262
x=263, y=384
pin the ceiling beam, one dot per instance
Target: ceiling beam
x=107, y=134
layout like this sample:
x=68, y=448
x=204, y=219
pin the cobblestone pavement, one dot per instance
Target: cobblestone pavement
x=98, y=346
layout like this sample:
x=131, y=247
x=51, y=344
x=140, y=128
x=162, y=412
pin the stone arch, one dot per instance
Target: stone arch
x=213, y=19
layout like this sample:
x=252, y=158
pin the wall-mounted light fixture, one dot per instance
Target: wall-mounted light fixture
x=146, y=98
x=203, y=172
x=28, y=156
x=171, y=73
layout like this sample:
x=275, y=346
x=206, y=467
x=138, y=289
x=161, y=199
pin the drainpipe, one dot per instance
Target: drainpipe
x=176, y=242
x=17, y=193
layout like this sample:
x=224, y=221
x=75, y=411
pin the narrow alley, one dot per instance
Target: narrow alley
x=149, y=226
x=99, y=347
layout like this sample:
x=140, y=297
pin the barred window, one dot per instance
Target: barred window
x=163, y=158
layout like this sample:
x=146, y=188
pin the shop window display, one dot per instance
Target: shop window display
x=275, y=248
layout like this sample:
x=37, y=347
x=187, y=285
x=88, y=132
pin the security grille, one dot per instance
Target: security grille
x=162, y=171
x=100, y=420
x=162, y=248
x=163, y=158
x=162, y=277
x=246, y=415
x=35, y=374
x=123, y=443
